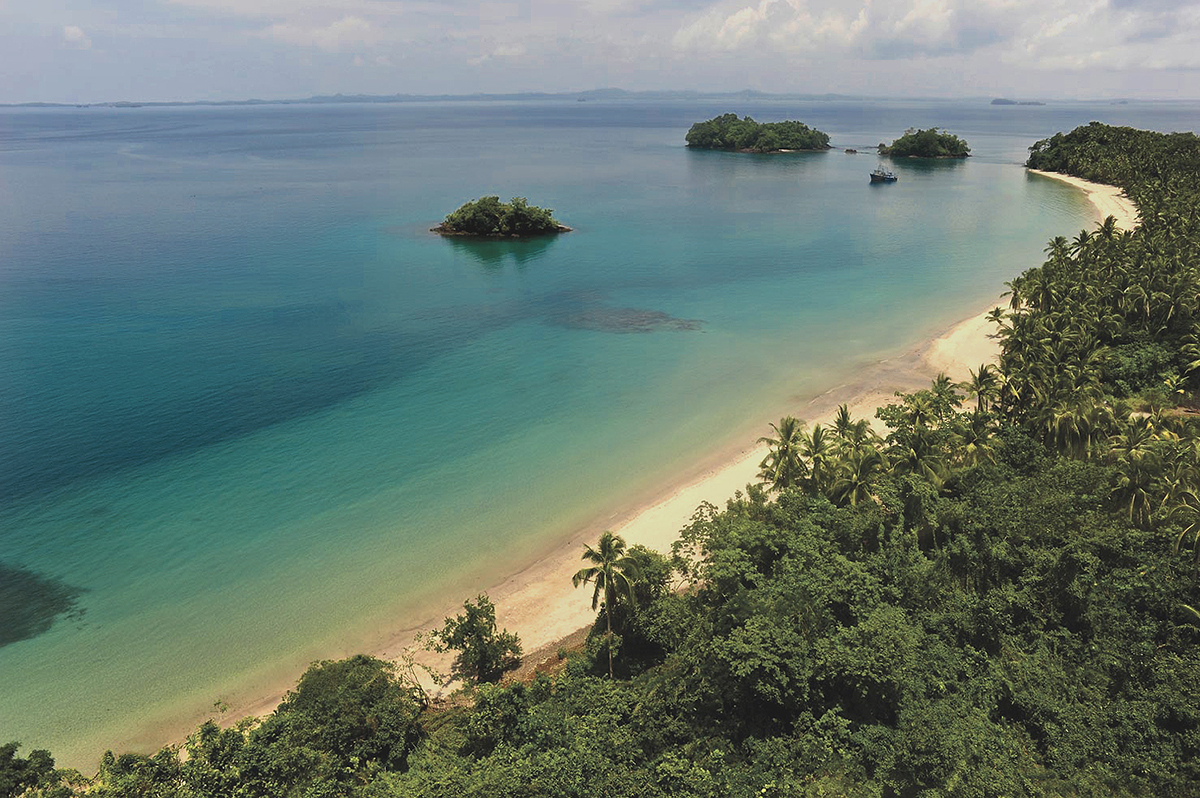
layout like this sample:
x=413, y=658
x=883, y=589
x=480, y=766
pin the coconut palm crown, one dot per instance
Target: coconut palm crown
x=614, y=573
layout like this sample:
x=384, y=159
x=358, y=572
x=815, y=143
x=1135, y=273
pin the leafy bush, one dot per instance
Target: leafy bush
x=1132, y=369
x=484, y=654
x=355, y=710
x=18, y=775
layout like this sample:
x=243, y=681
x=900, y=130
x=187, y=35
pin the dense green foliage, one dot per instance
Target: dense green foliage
x=931, y=143
x=1153, y=168
x=488, y=216
x=728, y=132
x=19, y=774
x=484, y=653
x=996, y=598
x=344, y=722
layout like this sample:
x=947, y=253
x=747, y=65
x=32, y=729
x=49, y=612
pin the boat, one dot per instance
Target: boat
x=882, y=175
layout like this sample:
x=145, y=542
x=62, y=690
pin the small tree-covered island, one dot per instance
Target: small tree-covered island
x=728, y=132
x=488, y=217
x=931, y=143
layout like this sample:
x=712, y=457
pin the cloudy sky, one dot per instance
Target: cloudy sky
x=96, y=50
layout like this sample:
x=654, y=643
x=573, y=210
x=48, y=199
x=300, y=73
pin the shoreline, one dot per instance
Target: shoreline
x=1107, y=200
x=538, y=602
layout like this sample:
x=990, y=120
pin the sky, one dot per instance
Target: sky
x=107, y=50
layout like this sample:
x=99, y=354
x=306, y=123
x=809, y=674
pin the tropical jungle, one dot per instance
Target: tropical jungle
x=728, y=132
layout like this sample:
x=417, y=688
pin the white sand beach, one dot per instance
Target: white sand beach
x=1108, y=200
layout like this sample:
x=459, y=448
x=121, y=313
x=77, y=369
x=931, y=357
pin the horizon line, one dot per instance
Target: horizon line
x=586, y=94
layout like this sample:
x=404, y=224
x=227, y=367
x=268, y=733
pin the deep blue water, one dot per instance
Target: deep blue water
x=253, y=412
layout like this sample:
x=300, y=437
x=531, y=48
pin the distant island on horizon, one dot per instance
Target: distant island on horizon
x=333, y=99
x=1006, y=101
x=575, y=96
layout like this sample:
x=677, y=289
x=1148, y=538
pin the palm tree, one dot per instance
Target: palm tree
x=853, y=483
x=997, y=316
x=974, y=439
x=851, y=435
x=818, y=451
x=842, y=423
x=1179, y=479
x=946, y=398
x=613, y=572
x=1079, y=245
x=984, y=384
x=1057, y=248
x=921, y=457
x=1135, y=480
x=1108, y=228
x=1134, y=442
x=1188, y=511
x=783, y=466
x=1078, y=427
x=922, y=408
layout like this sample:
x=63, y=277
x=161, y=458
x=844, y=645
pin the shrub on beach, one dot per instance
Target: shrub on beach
x=484, y=653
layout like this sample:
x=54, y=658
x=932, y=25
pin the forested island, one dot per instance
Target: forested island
x=931, y=143
x=488, y=217
x=729, y=132
x=998, y=597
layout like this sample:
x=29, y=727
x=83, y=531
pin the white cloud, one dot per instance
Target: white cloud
x=938, y=47
x=1052, y=34
x=871, y=28
x=346, y=34
x=1110, y=35
x=276, y=9
x=73, y=36
x=501, y=51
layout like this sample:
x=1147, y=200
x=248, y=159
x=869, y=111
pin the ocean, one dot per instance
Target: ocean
x=254, y=414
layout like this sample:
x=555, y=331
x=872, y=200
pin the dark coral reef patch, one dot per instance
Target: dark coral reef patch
x=30, y=603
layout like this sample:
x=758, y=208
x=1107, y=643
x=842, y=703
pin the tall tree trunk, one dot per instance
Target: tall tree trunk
x=608, y=622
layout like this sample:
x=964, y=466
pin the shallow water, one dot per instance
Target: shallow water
x=254, y=413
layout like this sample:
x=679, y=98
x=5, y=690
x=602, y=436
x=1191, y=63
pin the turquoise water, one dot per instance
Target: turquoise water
x=256, y=414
